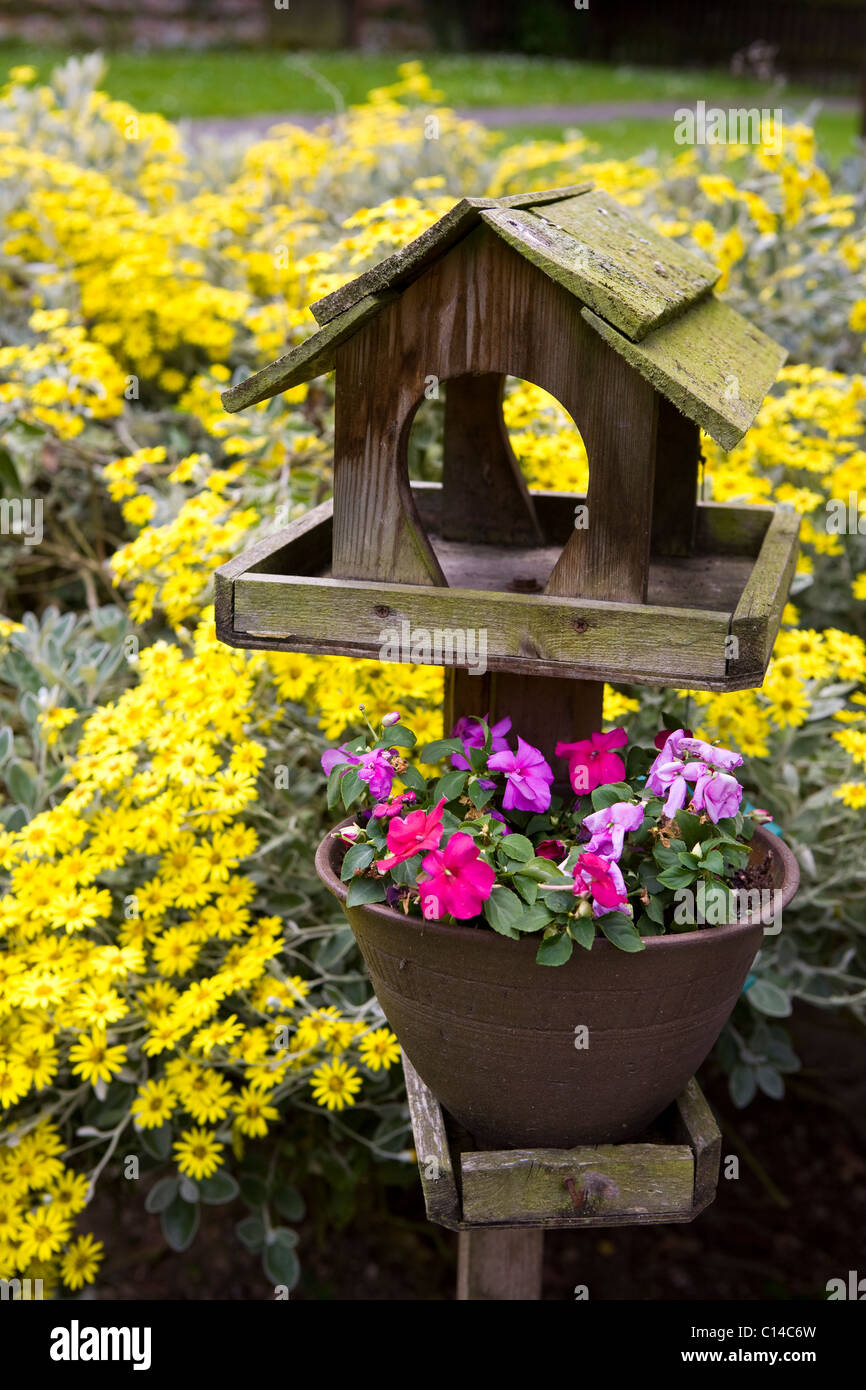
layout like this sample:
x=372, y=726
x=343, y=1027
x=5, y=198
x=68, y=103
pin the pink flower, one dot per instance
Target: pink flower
x=529, y=778
x=663, y=735
x=392, y=718
x=419, y=831
x=592, y=762
x=610, y=826
x=458, y=882
x=603, y=879
x=471, y=731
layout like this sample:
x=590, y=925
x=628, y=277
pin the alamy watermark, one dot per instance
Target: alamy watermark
x=422, y=646
x=703, y=125
x=22, y=516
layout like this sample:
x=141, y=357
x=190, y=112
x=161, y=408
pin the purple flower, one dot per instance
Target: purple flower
x=710, y=753
x=334, y=757
x=529, y=778
x=610, y=826
x=672, y=778
x=670, y=753
x=717, y=793
x=472, y=732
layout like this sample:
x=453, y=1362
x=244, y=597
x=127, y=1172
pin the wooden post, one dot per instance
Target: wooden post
x=544, y=709
x=503, y=1265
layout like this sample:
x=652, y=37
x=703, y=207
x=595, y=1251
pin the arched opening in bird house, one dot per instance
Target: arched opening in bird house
x=499, y=473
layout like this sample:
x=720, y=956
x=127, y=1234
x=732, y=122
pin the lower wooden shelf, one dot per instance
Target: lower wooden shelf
x=669, y=1175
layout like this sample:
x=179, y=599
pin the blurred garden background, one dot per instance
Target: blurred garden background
x=200, y=1097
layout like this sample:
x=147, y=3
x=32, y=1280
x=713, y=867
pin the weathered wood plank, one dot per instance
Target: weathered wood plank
x=313, y=357
x=711, y=363
x=501, y=1266
x=407, y=262
x=699, y=1129
x=484, y=494
x=305, y=544
x=758, y=614
x=675, y=492
x=535, y=1186
x=723, y=528
x=434, y=1155
x=538, y=635
x=630, y=274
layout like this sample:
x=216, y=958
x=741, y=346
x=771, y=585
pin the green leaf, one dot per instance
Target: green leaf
x=22, y=787
x=161, y=1195
x=609, y=794
x=180, y=1223
x=289, y=1203
x=279, y=1260
x=188, y=1190
x=5, y=743
x=582, y=930
x=220, y=1187
x=691, y=829
x=156, y=1142
x=251, y=1233
x=253, y=1189
x=504, y=910
x=770, y=1082
x=398, y=736
x=534, y=918
x=714, y=863
x=365, y=890
x=334, y=777
x=555, y=950
x=769, y=999
x=680, y=877
x=477, y=759
x=645, y=926
x=526, y=887
x=742, y=1085
x=411, y=777
x=440, y=748
x=351, y=788
x=545, y=871
x=517, y=847
x=450, y=785
x=357, y=858
x=620, y=931
x=655, y=910
x=479, y=796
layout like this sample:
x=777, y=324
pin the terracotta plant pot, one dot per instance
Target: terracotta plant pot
x=494, y=1035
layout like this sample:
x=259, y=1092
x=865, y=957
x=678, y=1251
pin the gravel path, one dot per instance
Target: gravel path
x=253, y=127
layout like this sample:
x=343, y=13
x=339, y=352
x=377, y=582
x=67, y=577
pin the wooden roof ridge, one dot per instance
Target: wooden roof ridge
x=650, y=299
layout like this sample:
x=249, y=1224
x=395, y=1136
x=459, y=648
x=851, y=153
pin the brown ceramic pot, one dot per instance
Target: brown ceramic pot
x=493, y=1034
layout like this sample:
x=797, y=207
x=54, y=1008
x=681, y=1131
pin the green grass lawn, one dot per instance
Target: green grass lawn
x=218, y=83
x=249, y=82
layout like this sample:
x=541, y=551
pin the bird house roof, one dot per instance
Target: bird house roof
x=646, y=296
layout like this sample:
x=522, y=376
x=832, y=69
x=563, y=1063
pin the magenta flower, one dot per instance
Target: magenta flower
x=592, y=762
x=471, y=731
x=717, y=793
x=610, y=826
x=603, y=879
x=551, y=849
x=373, y=768
x=529, y=778
x=459, y=882
x=394, y=806
x=419, y=831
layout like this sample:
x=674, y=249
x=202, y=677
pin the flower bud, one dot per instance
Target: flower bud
x=392, y=718
x=697, y=850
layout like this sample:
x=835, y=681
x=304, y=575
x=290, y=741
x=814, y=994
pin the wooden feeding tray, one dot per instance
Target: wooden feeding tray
x=669, y=1175
x=280, y=595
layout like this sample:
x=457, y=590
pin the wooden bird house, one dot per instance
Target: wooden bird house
x=569, y=290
